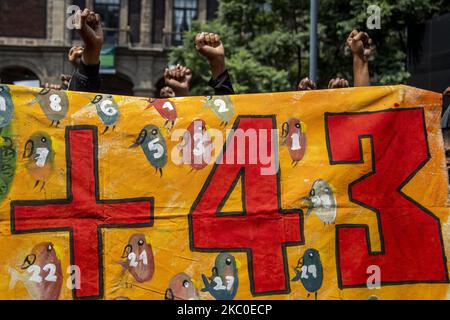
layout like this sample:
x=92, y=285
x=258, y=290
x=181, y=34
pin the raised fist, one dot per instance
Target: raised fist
x=360, y=44
x=209, y=45
x=75, y=54
x=92, y=34
x=338, y=83
x=306, y=84
x=166, y=93
x=178, y=79
x=65, y=80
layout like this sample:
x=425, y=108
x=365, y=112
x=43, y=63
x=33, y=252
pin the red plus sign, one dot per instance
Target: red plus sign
x=83, y=214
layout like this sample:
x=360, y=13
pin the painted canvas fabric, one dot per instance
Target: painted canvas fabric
x=328, y=194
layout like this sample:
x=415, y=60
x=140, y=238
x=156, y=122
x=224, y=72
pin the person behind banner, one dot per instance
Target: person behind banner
x=445, y=126
x=211, y=47
x=86, y=76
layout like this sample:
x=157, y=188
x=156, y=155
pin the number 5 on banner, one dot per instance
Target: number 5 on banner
x=263, y=230
x=411, y=240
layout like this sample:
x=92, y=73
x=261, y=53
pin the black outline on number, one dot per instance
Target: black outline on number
x=69, y=200
x=218, y=213
x=398, y=190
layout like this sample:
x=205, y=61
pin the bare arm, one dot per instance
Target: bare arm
x=361, y=46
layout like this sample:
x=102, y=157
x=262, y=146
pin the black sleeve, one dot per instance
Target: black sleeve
x=222, y=85
x=86, y=78
x=445, y=120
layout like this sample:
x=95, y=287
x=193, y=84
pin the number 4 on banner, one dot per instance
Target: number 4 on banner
x=263, y=230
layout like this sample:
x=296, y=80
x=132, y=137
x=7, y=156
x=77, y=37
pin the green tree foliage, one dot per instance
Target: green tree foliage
x=267, y=41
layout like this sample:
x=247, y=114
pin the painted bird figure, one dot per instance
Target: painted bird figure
x=43, y=277
x=153, y=145
x=223, y=283
x=40, y=157
x=107, y=110
x=322, y=201
x=6, y=107
x=182, y=287
x=222, y=106
x=196, y=145
x=54, y=103
x=166, y=109
x=294, y=137
x=139, y=260
x=310, y=271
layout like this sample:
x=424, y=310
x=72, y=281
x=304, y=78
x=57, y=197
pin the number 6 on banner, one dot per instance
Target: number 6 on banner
x=411, y=240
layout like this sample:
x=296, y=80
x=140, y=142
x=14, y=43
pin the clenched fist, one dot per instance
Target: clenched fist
x=360, y=44
x=338, y=83
x=166, y=93
x=75, y=54
x=210, y=46
x=92, y=34
x=178, y=79
x=306, y=84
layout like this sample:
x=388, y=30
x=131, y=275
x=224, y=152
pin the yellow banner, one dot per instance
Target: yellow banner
x=329, y=194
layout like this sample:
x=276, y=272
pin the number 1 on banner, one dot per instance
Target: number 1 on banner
x=2, y=104
x=411, y=240
x=262, y=229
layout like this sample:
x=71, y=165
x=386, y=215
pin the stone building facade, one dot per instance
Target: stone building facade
x=34, y=39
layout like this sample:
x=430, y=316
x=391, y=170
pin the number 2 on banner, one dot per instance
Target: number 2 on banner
x=262, y=229
x=222, y=105
x=407, y=229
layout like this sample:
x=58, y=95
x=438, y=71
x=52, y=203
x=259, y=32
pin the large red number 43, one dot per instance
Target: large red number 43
x=262, y=229
x=412, y=249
